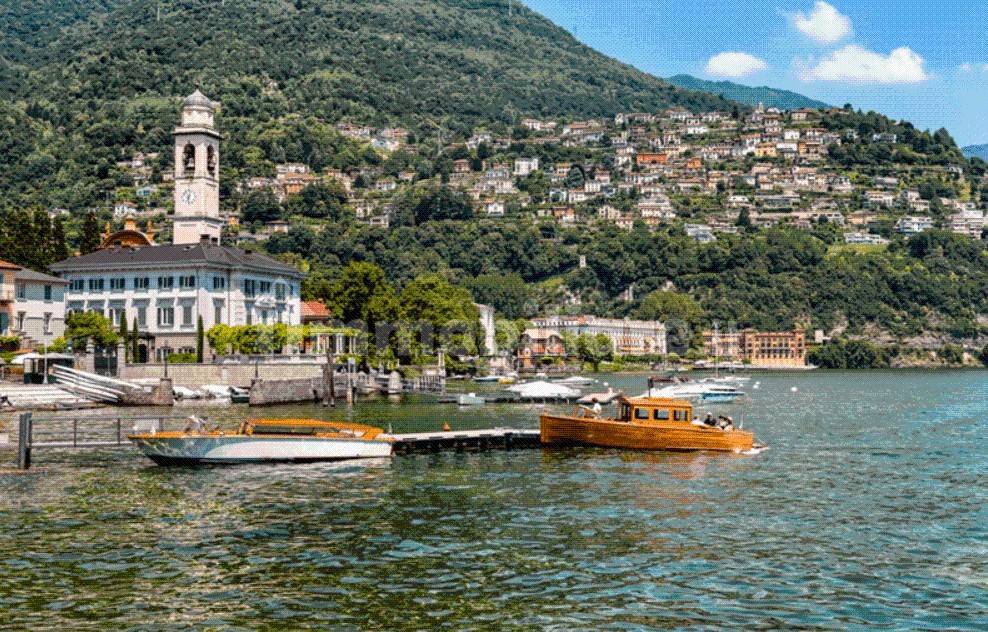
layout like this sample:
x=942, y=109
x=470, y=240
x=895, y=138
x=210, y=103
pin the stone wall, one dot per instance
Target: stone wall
x=160, y=395
x=241, y=374
x=265, y=392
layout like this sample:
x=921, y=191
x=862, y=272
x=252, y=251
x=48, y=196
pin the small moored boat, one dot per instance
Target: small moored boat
x=470, y=399
x=265, y=441
x=645, y=423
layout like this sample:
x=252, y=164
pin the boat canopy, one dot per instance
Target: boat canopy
x=654, y=409
x=309, y=427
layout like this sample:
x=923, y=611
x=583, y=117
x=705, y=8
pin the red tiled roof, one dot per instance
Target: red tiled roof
x=314, y=310
x=6, y=265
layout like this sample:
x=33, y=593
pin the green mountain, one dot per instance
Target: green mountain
x=976, y=151
x=91, y=82
x=771, y=97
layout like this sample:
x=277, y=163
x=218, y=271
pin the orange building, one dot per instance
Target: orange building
x=761, y=349
x=7, y=295
x=648, y=158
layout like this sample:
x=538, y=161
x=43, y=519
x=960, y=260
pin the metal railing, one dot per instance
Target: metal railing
x=78, y=432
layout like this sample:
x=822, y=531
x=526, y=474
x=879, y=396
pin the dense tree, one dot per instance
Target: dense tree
x=594, y=349
x=91, y=237
x=81, y=327
x=443, y=203
x=506, y=293
x=260, y=206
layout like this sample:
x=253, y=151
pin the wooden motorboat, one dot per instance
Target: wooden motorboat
x=645, y=423
x=265, y=441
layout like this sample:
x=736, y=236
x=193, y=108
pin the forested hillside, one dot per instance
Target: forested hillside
x=84, y=84
x=749, y=95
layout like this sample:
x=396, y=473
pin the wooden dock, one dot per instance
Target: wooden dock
x=111, y=432
x=466, y=440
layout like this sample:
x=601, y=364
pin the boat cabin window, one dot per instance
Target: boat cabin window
x=680, y=415
x=641, y=413
x=661, y=414
x=625, y=413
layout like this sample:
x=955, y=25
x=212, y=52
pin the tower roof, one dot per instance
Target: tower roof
x=198, y=99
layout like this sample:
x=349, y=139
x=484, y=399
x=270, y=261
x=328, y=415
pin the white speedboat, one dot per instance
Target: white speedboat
x=700, y=391
x=470, y=399
x=265, y=441
x=577, y=380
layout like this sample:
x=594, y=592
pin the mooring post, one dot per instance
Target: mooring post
x=24, y=442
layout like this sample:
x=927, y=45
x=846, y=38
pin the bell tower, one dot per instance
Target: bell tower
x=197, y=169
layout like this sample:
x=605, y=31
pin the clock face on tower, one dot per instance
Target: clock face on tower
x=189, y=196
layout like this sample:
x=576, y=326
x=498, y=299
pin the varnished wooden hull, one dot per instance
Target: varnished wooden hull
x=566, y=430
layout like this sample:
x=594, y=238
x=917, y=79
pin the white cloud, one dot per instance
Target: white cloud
x=734, y=64
x=965, y=67
x=854, y=63
x=986, y=67
x=825, y=24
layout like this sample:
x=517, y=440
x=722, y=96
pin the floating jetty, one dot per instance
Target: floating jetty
x=466, y=440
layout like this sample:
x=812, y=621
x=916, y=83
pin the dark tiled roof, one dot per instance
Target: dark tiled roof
x=174, y=255
x=37, y=277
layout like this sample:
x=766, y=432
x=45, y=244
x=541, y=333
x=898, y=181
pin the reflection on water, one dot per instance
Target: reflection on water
x=868, y=510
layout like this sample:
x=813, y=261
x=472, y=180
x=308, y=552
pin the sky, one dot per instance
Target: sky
x=925, y=62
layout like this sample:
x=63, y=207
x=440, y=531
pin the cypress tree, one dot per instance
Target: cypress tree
x=124, y=337
x=41, y=257
x=200, y=340
x=59, y=247
x=91, y=238
x=135, y=351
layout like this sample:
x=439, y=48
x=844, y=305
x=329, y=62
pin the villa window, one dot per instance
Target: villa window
x=142, y=316
x=95, y=285
x=142, y=283
x=219, y=283
x=166, y=316
x=118, y=284
x=166, y=282
x=250, y=287
x=186, y=315
x=78, y=285
x=187, y=282
x=21, y=291
x=265, y=287
x=48, y=293
x=47, y=323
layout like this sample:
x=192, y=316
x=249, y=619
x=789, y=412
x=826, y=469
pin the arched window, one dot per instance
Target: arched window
x=211, y=160
x=189, y=160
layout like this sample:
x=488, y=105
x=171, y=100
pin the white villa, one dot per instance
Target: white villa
x=627, y=336
x=168, y=288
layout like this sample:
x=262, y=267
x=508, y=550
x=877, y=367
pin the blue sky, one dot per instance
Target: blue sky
x=926, y=62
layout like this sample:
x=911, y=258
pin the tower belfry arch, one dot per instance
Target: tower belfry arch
x=197, y=157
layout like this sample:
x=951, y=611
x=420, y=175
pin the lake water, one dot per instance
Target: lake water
x=869, y=510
